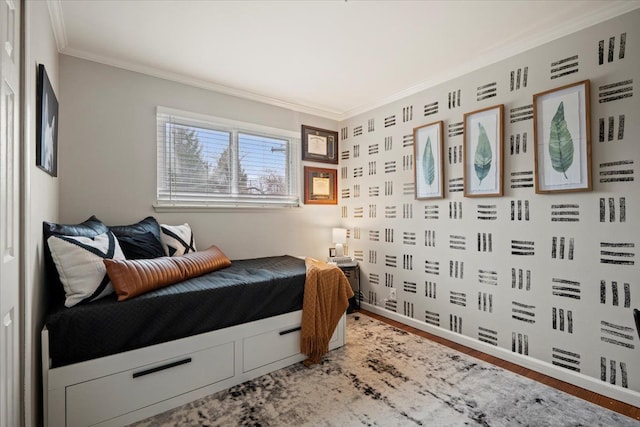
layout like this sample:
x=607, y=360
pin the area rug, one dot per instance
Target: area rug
x=388, y=377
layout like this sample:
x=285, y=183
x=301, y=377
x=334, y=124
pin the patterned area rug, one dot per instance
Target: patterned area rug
x=388, y=377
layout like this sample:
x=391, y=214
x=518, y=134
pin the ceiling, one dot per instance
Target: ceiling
x=335, y=59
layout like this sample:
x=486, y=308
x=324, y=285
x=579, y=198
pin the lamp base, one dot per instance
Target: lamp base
x=339, y=249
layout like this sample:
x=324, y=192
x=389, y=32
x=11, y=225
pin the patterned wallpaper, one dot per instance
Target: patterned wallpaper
x=554, y=276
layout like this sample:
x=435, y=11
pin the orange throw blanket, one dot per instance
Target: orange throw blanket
x=326, y=297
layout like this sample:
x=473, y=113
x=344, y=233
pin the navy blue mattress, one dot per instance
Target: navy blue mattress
x=248, y=290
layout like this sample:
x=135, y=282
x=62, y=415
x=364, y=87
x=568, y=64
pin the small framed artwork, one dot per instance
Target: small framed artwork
x=332, y=252
x=319, y=145
x=562, y=137
x=429, y=172
x=320, y=186
x=482, y=152
x=47, y=124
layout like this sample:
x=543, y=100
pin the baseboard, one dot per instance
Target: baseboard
x=614, y=392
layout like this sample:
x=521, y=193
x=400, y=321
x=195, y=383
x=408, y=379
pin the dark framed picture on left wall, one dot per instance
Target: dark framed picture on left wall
x=47, y=124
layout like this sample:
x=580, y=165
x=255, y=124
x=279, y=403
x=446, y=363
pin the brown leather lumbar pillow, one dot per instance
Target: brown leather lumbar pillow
x=133, y=277
x=195, y=264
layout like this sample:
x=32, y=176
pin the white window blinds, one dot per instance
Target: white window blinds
x=207, y=161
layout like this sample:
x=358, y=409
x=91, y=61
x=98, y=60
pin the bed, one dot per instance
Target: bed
x=110, y=362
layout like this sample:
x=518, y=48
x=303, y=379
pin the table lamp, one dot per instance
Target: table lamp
x=339, y=238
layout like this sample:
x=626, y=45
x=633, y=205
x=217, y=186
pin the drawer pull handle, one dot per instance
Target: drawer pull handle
x=288, y=331
x=162, y=367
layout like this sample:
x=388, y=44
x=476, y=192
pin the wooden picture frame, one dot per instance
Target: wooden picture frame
x=319, y=145
x=428, y=146
x=320, y=186
x=483, y=159
x=562, y=135
x=47, y=124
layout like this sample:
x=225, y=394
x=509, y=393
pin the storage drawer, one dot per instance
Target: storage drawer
x=270, y=347
x=104, y=398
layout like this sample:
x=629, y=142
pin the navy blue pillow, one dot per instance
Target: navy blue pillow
x=140, y=240
x=140, y=246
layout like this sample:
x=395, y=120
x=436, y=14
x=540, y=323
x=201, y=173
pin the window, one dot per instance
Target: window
x=211, y=162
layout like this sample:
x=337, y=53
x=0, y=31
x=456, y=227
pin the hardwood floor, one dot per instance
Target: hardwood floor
x=598, y=399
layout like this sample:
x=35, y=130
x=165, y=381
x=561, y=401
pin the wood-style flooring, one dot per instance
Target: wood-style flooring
x=598, y=399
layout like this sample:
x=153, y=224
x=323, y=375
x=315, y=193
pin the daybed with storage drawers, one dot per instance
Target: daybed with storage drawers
x=110, y=359
x=110, y=363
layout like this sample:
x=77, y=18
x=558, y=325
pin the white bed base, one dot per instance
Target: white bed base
x=123, y=388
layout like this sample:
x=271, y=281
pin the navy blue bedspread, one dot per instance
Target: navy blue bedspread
x=248, y=290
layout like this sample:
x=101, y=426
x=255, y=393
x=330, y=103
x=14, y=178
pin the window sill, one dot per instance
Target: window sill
x=223, y=208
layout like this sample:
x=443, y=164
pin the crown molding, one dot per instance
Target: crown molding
x=203, y=84
x=57, y=22
x=611, y=11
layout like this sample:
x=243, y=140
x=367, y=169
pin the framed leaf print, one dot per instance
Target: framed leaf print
x=427, y=150
x=562, y=139
x=483, y=160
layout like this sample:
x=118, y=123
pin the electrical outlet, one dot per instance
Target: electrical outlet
x=392, y=294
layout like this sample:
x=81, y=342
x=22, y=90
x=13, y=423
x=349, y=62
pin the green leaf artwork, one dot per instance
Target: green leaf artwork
x=428, y=163
x=482, y=162
x=560, y=143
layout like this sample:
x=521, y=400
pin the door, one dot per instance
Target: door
x=10, y=213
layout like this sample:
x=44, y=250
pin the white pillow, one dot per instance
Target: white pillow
x=80, y=267
x=177, y=239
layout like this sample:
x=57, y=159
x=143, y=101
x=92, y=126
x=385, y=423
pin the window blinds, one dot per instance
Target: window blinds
x=214, y=163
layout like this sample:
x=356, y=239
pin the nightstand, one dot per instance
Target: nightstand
x=352, y=269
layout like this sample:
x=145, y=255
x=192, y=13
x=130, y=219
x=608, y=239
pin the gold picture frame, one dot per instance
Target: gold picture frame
x=428, y=152
x=562, y=135
x=320, y=186
x=483, y=158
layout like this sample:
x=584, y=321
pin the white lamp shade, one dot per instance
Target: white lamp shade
x=339, y=235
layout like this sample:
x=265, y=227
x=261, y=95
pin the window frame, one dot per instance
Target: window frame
x=234, y=199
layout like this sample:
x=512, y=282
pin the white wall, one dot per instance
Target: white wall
x=108, y=160
x=602, y=340
x=40, y=193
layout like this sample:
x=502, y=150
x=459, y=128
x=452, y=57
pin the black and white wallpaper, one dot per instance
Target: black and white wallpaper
x=552, y=276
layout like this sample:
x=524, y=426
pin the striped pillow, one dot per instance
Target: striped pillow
x=177, y=239
x=78, y=260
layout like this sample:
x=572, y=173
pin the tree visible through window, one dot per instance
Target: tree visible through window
x=264, y=162
x=190, y=169
x=205, y=163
